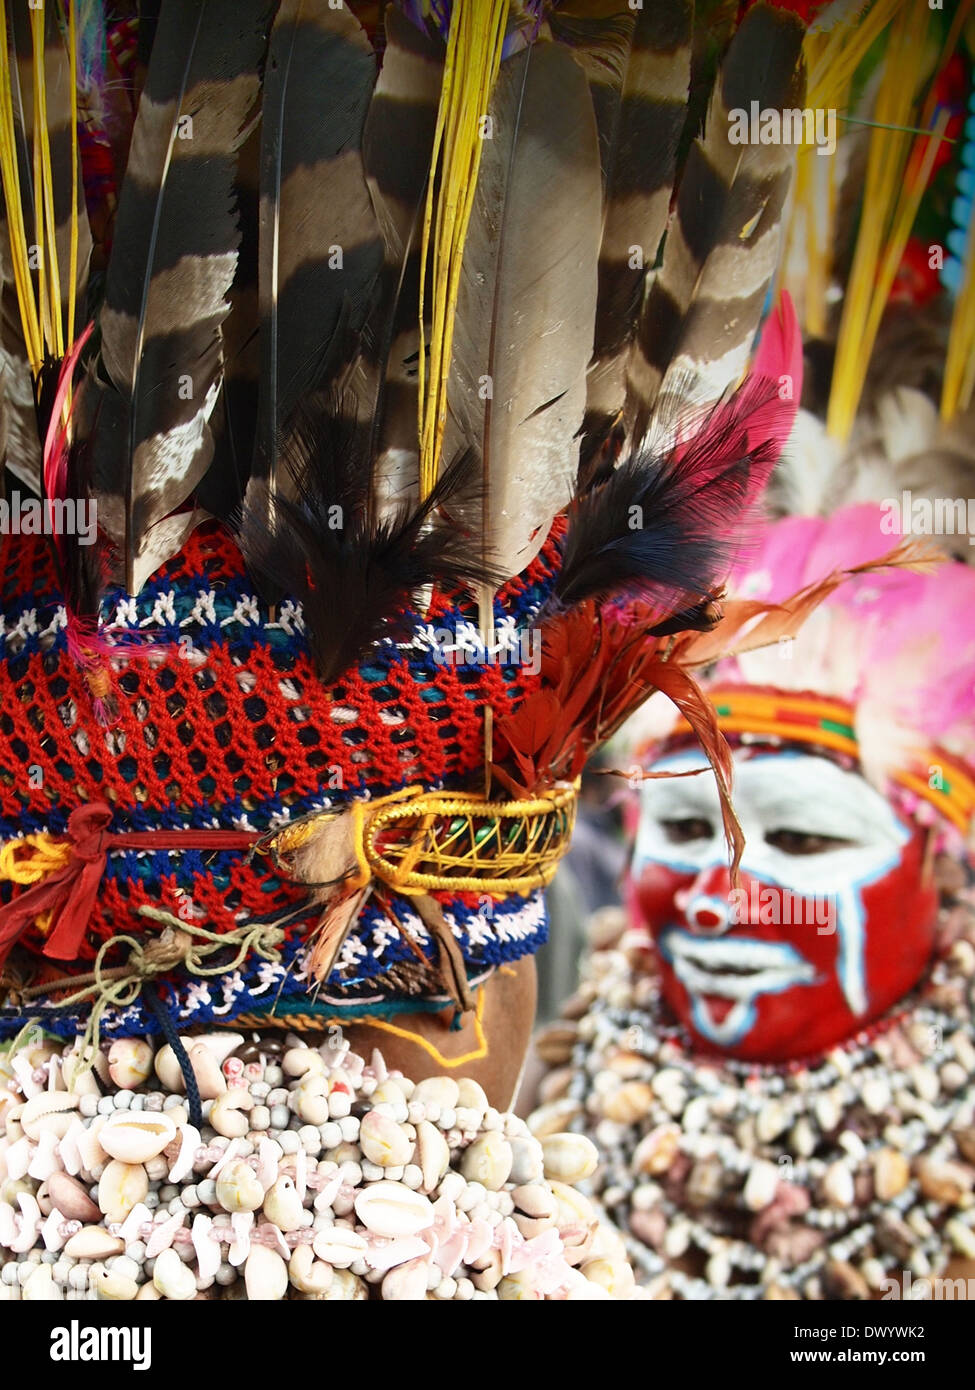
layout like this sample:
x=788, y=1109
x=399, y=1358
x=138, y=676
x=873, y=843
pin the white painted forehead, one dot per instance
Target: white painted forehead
x=815, y=791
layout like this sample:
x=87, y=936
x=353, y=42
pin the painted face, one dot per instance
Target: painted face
x=833, y=921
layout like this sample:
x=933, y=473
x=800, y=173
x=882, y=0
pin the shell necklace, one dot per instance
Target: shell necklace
x=831, y=1179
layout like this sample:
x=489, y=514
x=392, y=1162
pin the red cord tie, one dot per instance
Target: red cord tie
x=70, y=892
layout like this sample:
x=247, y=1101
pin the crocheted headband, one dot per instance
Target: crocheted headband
x=378, y=563
x=946, y=783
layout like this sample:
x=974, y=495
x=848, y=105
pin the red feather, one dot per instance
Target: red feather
x=598, y=665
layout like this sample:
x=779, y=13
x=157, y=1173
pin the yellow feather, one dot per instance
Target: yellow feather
x=45, y=330
x=897, y=172
x=42, y=146
x=473, y=57
x=838, y=42
x=19, y=251
x=73, y=264
x=890, y=203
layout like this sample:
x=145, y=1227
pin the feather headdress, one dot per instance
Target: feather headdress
x=387, y=306
x=300, y=327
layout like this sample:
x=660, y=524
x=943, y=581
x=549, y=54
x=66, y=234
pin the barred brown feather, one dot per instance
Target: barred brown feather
x=234, y=422
x=320, y=250
x=526, y=305
x=397, y=149
x=705, y=303
x=172, y=265
x=638, y=66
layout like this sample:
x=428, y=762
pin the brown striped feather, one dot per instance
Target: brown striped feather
x=526, y=305
x=172, y=265
x=638, y=66
x=704, y=304
x=397, y=150
x=320, y=250
x=234, y=423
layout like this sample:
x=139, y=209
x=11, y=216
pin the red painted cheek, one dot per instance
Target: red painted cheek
x=654, y=895
x=901, y=915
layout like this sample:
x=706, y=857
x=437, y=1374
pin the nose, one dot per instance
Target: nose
x=706, y=904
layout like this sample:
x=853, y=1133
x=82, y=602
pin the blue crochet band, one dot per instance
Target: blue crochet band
x=496, y=934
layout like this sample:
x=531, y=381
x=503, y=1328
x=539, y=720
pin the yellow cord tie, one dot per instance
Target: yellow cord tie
x=30, y=858
x=419, y=842
x=307, y=1023
x=476, y=1055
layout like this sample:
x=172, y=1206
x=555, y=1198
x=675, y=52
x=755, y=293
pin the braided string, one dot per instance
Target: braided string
x=120, y=986
x=419, y=842
x=165, y=1020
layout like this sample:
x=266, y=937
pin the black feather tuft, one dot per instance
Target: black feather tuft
x=649, y=531
x=351, y=574
x=666, y=527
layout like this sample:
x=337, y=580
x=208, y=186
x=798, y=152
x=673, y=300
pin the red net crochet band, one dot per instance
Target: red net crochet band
x=221, y=724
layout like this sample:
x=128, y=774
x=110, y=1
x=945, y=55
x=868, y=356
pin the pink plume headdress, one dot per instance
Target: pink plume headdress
x=896, y=646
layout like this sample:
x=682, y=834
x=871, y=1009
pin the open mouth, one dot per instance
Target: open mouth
x=724, y=977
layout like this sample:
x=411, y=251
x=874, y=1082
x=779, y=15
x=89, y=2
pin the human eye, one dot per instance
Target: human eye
x=684, y=830
x=800, y=842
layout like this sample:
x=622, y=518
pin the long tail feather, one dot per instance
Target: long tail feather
x=526, y=304
x=638, y=65
x=705, y=303
x=221, y=492
x=320, y=250
x=173, y=262
x=397, y=149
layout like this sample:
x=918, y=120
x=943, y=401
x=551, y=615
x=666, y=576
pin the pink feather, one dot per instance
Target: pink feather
x=898, y=643
x=778, y=362
x=56, y=441
x=779, y=352
x=758, y=417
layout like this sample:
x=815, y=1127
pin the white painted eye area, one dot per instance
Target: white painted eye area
x=691, y=829
x=809, y=824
